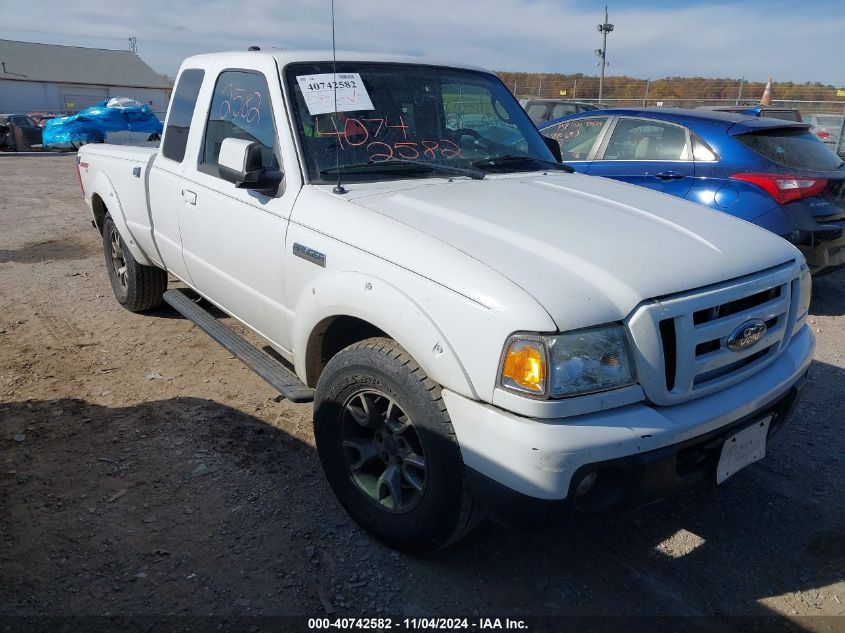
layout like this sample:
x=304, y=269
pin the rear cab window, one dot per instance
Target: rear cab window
x=795, y=148
x=180, y=114
x=576, y=136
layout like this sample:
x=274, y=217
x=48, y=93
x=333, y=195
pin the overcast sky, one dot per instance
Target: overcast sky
x=793, y=41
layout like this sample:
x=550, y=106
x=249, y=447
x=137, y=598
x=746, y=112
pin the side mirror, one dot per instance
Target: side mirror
x=554, y=147
x=239, y=162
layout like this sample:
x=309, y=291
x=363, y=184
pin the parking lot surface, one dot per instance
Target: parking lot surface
x=143, y=470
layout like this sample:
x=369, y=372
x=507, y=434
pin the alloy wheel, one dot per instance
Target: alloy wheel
x=383, y=451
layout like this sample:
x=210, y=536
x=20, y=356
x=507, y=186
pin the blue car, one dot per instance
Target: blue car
x=94, y=124
x=771, y=172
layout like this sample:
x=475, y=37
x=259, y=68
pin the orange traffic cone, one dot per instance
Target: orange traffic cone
x=766, y=99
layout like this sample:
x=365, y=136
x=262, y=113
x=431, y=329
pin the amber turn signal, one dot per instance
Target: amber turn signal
x=524, y=367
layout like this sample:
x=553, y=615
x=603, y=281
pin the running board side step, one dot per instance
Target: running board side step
x=277, y=375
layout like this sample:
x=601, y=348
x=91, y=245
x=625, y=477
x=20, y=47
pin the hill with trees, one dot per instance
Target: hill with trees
x=580, y=86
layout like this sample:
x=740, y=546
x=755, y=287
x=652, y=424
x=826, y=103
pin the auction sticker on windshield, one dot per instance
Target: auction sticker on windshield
x=319, y=93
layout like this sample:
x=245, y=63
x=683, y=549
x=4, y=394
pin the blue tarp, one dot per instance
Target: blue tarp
x=91, y=124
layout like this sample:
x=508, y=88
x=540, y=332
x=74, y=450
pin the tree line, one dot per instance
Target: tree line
x=580, y=86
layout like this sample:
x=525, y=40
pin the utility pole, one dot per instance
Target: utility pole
x=604, y=29
x=647, y=86
x=739, y=94
x=133, y=44
x=540, y=85
x=574, y=88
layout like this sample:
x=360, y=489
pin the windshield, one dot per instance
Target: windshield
x=793, y=148
x=404, y=121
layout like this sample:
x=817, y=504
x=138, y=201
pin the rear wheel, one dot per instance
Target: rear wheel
x=387, y=446
x=136, y=287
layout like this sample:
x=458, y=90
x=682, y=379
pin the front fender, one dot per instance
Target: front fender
x=386, y=307
x=104, y=188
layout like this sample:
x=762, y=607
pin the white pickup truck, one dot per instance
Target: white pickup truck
x=479, y=328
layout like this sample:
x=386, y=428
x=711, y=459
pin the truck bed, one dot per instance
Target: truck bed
x=141, y=153
x=119, y=174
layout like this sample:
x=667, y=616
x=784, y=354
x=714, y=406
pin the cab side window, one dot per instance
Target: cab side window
x=181, y=112
x=240, y=108
x=576, y=136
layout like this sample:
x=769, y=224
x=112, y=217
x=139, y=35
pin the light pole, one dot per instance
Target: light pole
x=604, y=29
x=540, y=85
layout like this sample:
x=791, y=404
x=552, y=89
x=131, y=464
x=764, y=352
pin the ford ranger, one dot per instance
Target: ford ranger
x=480, y=329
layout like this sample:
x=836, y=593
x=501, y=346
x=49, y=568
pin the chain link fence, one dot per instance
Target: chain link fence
x=821, y=106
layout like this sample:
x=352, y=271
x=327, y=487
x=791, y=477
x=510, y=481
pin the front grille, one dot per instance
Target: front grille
x=682, y=339
x=669, y=338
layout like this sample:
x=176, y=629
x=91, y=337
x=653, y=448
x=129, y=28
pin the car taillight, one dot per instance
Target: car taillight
x=785, y=188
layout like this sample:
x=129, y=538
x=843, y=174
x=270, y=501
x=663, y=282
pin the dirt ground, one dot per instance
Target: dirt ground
x=143, y=470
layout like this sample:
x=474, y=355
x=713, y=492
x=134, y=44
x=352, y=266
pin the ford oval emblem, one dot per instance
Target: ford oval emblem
x=746, y=335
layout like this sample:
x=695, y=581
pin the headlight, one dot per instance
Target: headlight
x=806, y=292
x=569, y=364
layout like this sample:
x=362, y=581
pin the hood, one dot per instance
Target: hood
x=587, y=249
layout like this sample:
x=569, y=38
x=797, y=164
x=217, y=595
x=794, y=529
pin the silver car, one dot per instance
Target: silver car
x=826, y=127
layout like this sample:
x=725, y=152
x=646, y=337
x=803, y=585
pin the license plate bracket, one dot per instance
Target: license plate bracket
x=742, y=449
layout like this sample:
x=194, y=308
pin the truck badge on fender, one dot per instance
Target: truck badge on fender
x=309, y=254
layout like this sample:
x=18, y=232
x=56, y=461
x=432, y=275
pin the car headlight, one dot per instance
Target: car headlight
x=569, y=364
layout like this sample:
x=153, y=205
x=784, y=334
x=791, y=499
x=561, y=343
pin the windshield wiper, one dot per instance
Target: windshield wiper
x=372, y=166
x=511, y=160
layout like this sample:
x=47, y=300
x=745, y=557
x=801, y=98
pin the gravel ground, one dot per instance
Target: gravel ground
x=143, y=470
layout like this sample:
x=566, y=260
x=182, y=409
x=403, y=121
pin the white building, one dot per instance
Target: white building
x=50, y=78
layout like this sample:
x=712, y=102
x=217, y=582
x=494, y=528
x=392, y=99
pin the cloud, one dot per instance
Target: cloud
x=754, y=39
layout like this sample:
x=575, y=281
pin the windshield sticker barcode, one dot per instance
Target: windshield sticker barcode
x=322, y=91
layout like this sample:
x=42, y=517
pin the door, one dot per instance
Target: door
x=165, y=179
x=578, y=139
x=233, y=240
x=647, y=152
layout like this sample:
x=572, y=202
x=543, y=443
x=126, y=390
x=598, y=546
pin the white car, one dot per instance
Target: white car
x=480, y=329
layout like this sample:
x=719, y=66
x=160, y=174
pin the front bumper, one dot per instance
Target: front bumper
x=636, y=480
x=544, y=458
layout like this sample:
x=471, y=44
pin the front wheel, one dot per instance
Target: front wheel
x=135, y=286
x=388, y=449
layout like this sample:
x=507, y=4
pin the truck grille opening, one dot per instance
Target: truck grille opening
x=670, y=350
x=689, y=356
x=729, y=369
x=732, y=307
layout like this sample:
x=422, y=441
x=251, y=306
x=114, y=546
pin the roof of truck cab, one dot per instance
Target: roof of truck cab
x=285, y=57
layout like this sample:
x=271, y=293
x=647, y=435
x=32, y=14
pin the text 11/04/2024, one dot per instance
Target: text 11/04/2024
x=418, y=624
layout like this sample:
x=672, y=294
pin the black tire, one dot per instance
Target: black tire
x=137, y=288
x=444, y=510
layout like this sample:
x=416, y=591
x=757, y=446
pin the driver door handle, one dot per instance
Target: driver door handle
x=669, y=175
x=189, y=196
